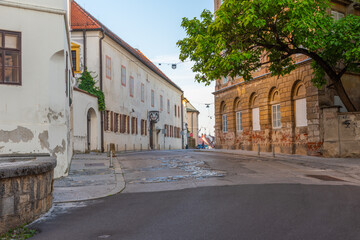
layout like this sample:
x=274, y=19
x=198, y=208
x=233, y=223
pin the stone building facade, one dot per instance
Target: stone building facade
x=282, y=111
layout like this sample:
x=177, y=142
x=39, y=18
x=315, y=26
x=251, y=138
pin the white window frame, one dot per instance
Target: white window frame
x=300, y=112
x=256, y=119
x=224, y=123
x=336, y=15
x=239, y=126
x=276, y=116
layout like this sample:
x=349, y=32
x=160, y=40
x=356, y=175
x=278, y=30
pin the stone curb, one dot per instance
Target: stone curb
x=120, y=186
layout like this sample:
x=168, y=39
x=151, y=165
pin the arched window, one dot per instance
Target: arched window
x=255, y=110
x=238, y=115
x=299, y=98
x=275, y=108
x=224, y=118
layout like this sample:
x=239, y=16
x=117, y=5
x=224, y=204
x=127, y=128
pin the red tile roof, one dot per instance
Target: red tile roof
x=82, y=20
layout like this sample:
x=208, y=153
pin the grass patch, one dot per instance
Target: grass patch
x=20, y=233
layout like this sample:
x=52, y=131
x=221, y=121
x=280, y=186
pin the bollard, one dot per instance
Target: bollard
x=258, y=148
x=273, y=150
x=111, y=160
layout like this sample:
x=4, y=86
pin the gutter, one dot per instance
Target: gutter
x=182, y=121
x=101, y=88
x=84, y=38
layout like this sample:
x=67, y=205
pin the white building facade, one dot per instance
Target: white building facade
x=133, y=87
x=36, y=80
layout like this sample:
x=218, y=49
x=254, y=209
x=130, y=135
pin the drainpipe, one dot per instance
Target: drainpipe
x=84, y=37
x=101, y=88
x=182, y=120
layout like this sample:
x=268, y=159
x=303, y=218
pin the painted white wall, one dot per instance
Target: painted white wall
x=82, y=104
x=36, y=115
x=117, y=96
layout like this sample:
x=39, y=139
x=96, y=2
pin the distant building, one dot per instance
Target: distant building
x=36, y=80
x=287, y=111
x=192, y=121
x=133, y=86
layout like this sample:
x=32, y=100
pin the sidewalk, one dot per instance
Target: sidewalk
x=89, y=178
x=349, y=167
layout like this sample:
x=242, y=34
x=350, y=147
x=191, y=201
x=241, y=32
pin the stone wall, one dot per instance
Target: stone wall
x=341, y=133
x=26, y=187
x=239, y=96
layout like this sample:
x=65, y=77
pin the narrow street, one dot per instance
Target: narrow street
x=212, y=195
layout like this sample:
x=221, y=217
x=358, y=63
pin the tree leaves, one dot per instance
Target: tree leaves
x=243, y=32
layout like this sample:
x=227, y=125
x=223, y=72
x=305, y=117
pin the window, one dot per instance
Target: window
x=256, y=119
x=123, y=75
x=152, y=98
x=168, y=106
x=116, y=122
x=276, y=117
x=10, y=58
x=239, y=126
x=337, y=15
x=300, y=113
x=161, y=103
x=108, y=67
x=224, y=123
x=142, y=93
x=178, y=111
x=134, y=122
x=75, y=48
x=106, y=120
x=225, y=79
x=128, y=124
x=143, y=127
x=175, y=109
x=131, y=87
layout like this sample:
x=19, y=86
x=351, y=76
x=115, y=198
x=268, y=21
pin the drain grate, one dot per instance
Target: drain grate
x=94, y=164
x=326, y=178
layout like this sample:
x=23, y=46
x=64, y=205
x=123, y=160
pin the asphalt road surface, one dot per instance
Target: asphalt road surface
x=191, y=195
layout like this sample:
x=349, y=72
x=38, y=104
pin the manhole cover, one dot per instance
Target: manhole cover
x=325, y=178
x=94, y=164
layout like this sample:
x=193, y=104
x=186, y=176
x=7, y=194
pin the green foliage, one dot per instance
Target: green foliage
x=87, y=83
x=243, y=32
x=20, y=233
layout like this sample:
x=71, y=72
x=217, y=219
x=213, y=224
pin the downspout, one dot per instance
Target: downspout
x=84, y=37
x=182, y=120
x=101, y=88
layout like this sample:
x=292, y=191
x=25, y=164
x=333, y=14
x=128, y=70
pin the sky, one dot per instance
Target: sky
x=154, y=27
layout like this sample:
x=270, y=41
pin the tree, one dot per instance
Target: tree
x=87, y=83
x=244, y=32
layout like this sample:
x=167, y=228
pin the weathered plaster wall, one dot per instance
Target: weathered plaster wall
x=83, y=103
x=35, y=117
x=341, y=133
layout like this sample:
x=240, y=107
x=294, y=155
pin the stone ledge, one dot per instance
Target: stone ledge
x=17, y=167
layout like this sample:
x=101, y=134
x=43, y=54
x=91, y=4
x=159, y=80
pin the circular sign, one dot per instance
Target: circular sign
x=154, y=116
